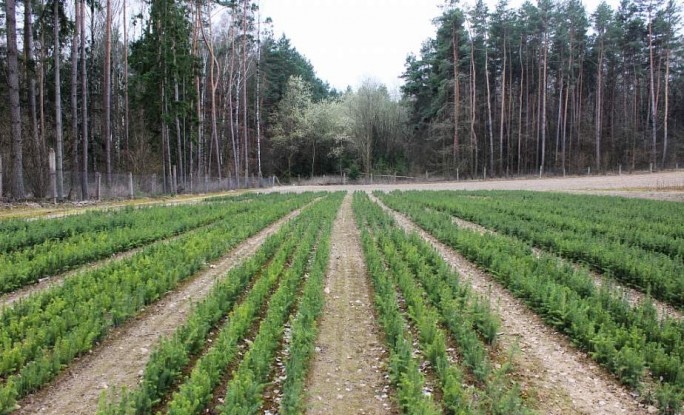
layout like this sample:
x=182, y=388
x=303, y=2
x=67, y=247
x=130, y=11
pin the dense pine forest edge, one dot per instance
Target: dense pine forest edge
x=181, y=93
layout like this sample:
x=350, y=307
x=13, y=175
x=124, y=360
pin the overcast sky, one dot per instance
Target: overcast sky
x=350, y=40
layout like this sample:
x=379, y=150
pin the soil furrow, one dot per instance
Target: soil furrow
x=120, y=359
x=564, y=380
x=348, y=372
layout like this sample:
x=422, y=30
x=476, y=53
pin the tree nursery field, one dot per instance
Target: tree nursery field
x=374, y=302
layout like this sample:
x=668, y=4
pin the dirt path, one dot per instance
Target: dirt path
x=564, y=380
x=667, y=185
x=120, y=359
x=632, y=296
x=348, y=371
x=34, y=211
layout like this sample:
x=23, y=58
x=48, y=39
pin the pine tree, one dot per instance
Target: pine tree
x=15, y=106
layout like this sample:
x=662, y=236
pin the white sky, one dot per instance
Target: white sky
x=350, y=40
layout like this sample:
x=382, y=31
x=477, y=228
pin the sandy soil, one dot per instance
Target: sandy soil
x=348, y=371
x=665, y=185
x=36, y=210
x=564, y=380
x=120, y=359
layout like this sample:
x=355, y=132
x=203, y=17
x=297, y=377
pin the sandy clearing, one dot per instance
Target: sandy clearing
x=347, y=375
x=645, y=185
x=668, y=185
x=565, y=380
x=120, y=358
x=34, y=211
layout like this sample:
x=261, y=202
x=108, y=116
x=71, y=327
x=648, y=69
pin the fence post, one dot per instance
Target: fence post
x=484, y=173
x=588, y=170
x=650, y=167
x=541, y=171
x=98, y=186
x=190, y=182
x=457, y=178
x=175, y=179
x=53, y=174
x=131, y=194
x=206, y=183
x=620, y=169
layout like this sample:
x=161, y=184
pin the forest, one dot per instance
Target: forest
x=191, y=91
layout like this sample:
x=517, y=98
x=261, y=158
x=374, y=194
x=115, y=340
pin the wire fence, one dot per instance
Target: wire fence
x=127, y=185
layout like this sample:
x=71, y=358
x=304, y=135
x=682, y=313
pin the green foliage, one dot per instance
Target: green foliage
x=435, y=299
x=171, y=355
x=624, y=240
x=377, y=124
x=404, y=369
x=244, y=391
x=43, y=333
x=627, y=340
x=80, y=240
x=160, y=59
x=304, y=325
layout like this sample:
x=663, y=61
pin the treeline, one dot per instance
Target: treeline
x=551, y=86
x=190, y=89
x=176, y=88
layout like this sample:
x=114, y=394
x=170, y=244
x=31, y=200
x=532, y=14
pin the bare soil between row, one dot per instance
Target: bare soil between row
x=120, y=359
x=559, y=378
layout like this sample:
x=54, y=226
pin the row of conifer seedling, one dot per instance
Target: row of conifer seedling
x=644, y=350
x=420, y=301
x=43, y=333
x=244, y=317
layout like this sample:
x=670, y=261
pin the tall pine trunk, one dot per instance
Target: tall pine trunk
x=15, y=109
x=666, y=109
x=200, y=118
x=125, y=81
x=457, y=93
x=30, y=76
x=84, y=103
x=490, y=128
x=244, y=87
x=74, y=95
x=543, y=104
x=503, y=109
x=58, y=107
x=473, y=99
x=654, y=108
x=599, y=104
x=257, y=97
x=107, y=92
x=234, y=138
